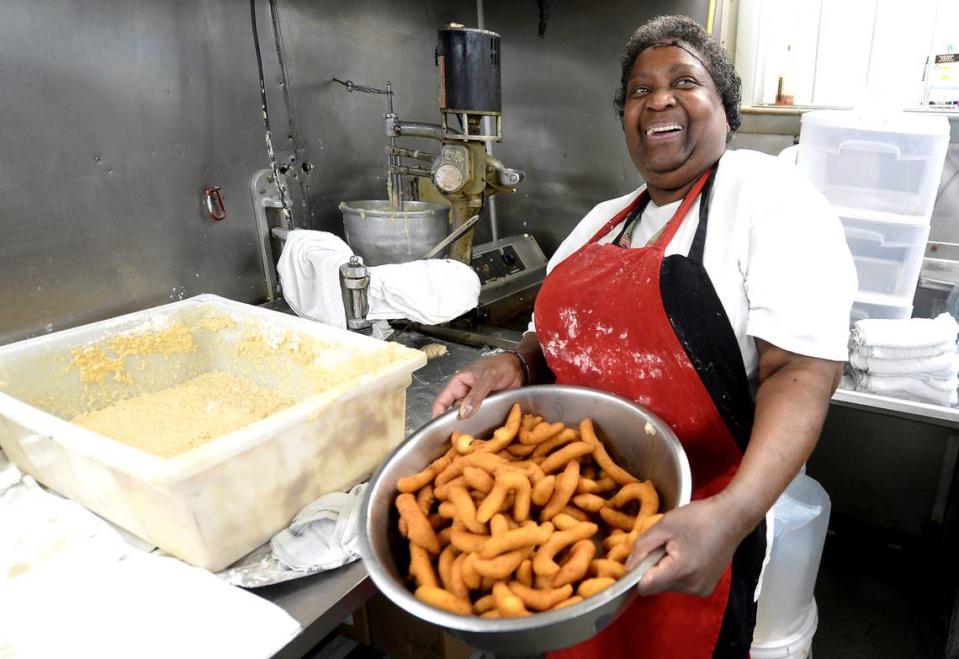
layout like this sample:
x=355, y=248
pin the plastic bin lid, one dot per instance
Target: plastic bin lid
x=912, y=123
x=884, y=300
x=881, y=217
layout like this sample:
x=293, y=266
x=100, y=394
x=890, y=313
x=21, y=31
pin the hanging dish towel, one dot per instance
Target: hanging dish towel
x=309, y=270
x=428, y=292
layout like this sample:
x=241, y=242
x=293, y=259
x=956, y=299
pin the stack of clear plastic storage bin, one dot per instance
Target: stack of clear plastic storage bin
x=881, y=174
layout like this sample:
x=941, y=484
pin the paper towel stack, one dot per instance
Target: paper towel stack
x=913, y=358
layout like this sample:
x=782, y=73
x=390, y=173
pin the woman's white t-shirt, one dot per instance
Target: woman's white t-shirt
x=775, y=252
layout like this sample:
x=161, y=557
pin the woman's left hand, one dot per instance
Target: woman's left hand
x=699, y=540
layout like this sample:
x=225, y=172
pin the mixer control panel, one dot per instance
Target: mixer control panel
x=511, y=270
x=497, y=263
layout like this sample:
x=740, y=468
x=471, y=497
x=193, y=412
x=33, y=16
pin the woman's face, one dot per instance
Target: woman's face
x=674, y=120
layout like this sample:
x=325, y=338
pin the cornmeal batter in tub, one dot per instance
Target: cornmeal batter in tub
x=172, y=421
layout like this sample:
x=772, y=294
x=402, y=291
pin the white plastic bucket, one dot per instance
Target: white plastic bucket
x=797, y=645
x=801, y=521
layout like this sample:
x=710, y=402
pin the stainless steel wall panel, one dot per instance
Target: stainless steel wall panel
x=116, y=116
x=368, y=42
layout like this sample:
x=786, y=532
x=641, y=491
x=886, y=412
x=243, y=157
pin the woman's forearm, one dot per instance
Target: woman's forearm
x=791, y=406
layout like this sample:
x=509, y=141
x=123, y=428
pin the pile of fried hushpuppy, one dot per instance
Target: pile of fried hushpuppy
x=535, y=518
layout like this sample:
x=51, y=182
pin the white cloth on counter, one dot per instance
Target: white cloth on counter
x=942, y=391
x=944, y=365
x=324, y=535
x=72, y=587
x=309, y=270
x=429, y=292
x=904, y=338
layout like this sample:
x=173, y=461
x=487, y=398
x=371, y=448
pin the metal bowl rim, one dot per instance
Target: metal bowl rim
x=417, y=208
x=475, y=624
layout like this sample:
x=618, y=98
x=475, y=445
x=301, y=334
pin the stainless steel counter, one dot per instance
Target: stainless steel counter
x=320, y=602
x=906, y=409
x=429, y=380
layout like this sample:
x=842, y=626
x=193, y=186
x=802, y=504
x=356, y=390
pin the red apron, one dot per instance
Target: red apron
x=652, y=329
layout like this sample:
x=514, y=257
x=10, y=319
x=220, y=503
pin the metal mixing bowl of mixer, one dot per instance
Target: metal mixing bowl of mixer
x=382, y=233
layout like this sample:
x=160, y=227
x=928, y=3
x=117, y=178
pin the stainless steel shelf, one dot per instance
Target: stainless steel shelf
x=905, y=409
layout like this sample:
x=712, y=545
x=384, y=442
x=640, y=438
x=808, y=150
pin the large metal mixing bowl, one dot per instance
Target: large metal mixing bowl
x=382, y=234
x=620, y=423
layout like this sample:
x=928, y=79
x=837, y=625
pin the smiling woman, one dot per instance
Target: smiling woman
x=676, y=116
x=686, y=295
x=674, y=120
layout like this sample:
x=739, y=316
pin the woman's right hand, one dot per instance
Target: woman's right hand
x=477, y=380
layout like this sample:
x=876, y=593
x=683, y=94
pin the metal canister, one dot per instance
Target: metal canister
x=355, y=284
x=469, y=63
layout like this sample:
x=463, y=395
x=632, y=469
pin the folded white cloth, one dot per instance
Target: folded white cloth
x=945, y=365
x=863, y=379
x=885, y=352
x=903, y=338
x=428, y=292
x=941, y=392
x=944, y=391
x=322, y=536
x=309, y=270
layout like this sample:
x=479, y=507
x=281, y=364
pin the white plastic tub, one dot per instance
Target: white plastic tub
x=796, y=645
x=211, y=505
x=886, y=163
x=888, y=255
x=801, y=520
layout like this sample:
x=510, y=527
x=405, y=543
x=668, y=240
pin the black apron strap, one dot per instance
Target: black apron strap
x=739, y=620
x=699, y=240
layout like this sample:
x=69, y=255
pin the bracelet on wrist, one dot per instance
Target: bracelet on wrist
x=524, y=364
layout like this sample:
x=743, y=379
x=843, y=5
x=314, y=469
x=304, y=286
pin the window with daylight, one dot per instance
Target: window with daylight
x=848, y=53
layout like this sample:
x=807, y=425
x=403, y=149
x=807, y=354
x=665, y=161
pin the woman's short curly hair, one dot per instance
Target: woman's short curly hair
x=666, y=29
